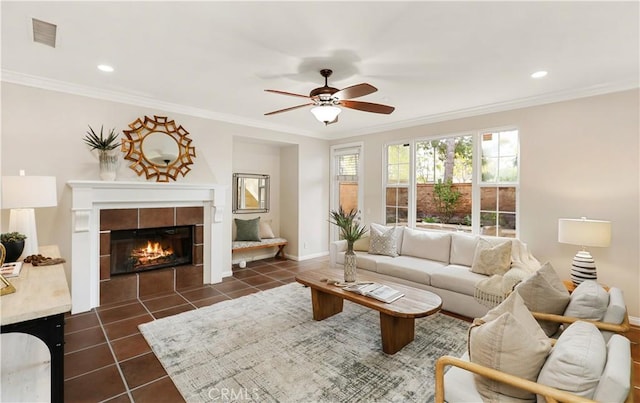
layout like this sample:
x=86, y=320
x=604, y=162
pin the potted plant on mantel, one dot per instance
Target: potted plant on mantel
x=105, y=146
x=350, y=231
x=13, y=242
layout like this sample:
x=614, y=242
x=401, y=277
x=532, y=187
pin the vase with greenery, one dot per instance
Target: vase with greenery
x=13, y=242
x=350, y=231
x=106, y=146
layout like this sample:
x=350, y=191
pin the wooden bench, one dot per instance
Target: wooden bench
x=242, y=246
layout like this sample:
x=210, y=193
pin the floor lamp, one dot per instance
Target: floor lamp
x=585, y=233
x=22, y=194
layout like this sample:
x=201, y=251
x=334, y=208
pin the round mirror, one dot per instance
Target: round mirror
x=160, y=149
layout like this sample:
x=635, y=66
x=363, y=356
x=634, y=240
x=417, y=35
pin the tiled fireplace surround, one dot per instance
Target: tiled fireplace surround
x=152, y=204
x=125, y=287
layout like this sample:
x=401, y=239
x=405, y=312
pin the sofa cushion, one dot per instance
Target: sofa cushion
x=383, y=241
x=491, y=259
x=576, y=361
x=409, y=268
x=363, y=260
x=431, y=245
x=615, y=380
x=588, y=301
x=510, y=340
x=456, y=278
x=617, y=310
x=544, y=292
x=458, y=384
x=463, y=248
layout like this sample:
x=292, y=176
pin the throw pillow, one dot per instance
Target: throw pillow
x=588, y=301
x=576, y=362
x=265, y=230
x=383, y=241
x=490, y=260
x=248, y=230
x=510, y=340
x=398, y=231
x=430, y=245
x=362, y=244
x=544, y=292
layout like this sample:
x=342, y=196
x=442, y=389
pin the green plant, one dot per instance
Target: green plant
x=100, y=142
x=12, y=237
x=430, y=220
x=445, y=197
x=350, y=228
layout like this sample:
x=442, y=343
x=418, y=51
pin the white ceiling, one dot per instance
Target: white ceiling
x=431, y=60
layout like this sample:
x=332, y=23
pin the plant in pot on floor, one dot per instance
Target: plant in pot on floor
x=106, y=148
x=13, y=242
x=350, y=231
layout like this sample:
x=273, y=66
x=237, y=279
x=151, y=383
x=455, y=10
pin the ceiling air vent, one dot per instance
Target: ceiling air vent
x=44, y=32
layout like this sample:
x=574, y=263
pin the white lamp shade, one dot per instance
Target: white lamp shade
x=584, y=232
x=28, y=191
x=326, y=113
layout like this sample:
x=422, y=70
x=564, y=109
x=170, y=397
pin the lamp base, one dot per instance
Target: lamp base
x=23, y=220
x=583, y=267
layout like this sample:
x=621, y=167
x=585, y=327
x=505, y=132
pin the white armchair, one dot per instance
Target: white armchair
x=458, y=383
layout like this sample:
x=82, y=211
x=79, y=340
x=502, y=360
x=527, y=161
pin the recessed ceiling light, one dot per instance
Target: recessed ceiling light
x=105, y=68
x=539, y=74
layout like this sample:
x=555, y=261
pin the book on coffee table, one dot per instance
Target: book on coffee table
x=380, y=292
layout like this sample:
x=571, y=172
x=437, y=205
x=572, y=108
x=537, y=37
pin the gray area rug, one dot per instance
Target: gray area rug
x=266, y=347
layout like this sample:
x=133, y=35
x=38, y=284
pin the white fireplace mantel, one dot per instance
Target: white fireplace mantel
x=89, y=197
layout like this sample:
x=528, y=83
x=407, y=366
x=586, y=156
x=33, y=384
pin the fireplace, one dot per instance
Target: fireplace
x=139, y=250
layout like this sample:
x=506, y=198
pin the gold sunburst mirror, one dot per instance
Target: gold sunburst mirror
x=158, y=148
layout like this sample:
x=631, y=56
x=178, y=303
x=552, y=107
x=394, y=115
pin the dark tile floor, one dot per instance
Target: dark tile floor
x=107, y=359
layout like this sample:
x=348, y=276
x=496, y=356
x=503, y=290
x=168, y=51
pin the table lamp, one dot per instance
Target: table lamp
x=22, y=194
x=585, y=233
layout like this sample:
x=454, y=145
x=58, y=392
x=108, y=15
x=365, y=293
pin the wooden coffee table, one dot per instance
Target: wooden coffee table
x=397, y=319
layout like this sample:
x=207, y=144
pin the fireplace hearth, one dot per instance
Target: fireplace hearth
x=145, y=249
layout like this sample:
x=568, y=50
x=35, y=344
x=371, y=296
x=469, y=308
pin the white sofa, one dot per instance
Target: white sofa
x=439, y=262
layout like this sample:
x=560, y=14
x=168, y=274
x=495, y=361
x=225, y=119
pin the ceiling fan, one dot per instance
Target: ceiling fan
x=327, y=99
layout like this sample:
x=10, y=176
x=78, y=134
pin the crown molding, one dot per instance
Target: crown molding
x=537, y=100
x=115, y=96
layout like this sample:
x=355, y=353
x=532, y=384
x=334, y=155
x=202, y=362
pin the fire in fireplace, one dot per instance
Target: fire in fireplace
x=151, y=248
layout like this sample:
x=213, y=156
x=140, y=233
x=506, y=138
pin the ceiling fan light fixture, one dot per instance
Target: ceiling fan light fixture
x=326, y=113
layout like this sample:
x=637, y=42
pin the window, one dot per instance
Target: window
x=498, y=182
x=466, y=182
x=397, y=184
x=346, y=178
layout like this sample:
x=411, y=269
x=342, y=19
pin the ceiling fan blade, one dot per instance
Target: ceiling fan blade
x=355, y=91
x=288, y=109
x=291, y=94
x=368, y=106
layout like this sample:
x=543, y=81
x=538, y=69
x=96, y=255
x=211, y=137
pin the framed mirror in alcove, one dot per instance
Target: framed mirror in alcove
x=250, y=193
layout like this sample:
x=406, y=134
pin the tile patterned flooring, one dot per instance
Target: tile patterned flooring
x=108, y=360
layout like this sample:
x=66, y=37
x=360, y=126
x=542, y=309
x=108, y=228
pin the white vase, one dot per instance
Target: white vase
x=108, y=165
x=350, y=264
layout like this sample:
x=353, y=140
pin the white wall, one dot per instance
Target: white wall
x=259, y=158
x=42, y=133
x=578, y=158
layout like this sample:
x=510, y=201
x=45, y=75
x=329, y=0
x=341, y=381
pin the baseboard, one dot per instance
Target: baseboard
x=306, y=257
x=635, y=321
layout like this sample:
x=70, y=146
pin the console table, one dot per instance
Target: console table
x=37, y=308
